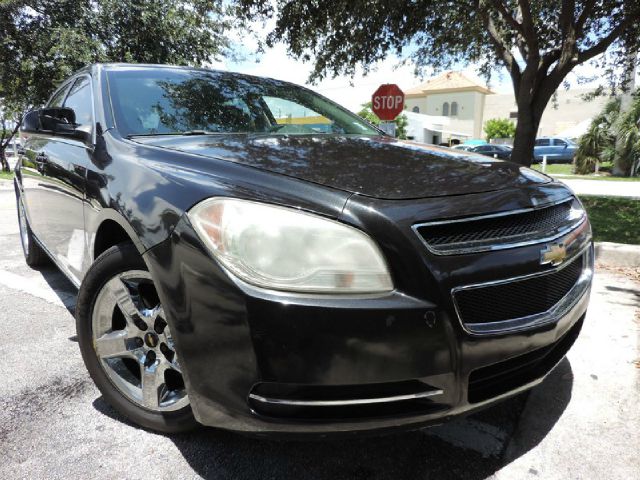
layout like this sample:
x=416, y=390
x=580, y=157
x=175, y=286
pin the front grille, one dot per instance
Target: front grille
x=480, y=233
x=515, y=372
x=518, y=298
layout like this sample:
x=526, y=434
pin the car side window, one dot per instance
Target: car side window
x=560, y=143
x=542, y=142
x=79, y=99
x=58, y=98
x=483, y=148
x=288, y=114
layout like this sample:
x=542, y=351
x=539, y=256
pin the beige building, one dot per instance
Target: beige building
x=455, y=106
x=564, y=112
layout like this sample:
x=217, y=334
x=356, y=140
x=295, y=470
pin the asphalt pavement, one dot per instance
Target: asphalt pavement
x=582, y=422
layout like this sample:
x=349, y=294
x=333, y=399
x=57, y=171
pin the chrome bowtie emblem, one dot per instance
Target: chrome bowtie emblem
x=553, y=254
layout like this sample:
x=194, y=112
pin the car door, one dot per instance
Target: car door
x=63, y=165
x=541, y=148
x=561, y=150
x=32, y=171
x=483, y=150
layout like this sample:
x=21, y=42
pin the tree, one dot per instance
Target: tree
x=499, y=128
x=627, y=148
x=401, y=120
x=598, y=142
x=42, y=42
x=613, y=136
x=538, y=41
x=401, y=126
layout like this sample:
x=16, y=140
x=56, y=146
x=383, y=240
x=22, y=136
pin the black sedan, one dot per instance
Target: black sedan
x=250, y=255
x=502, y=152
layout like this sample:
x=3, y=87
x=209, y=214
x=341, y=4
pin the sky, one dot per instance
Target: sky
x=353, y=92
x=346, y=91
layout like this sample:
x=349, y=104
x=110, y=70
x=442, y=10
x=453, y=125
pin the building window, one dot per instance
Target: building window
x=445, y=109
x=416, y=109
x=454, y=109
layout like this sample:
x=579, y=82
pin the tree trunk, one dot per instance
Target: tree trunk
x=3, y=161
x=525, y=138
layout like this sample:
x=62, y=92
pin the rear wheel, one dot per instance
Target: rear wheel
x=34, y=255
x=127, y=345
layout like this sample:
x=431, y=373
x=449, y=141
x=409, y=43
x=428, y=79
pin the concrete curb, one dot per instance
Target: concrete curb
x=618, y=254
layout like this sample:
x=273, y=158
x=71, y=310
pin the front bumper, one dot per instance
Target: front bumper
x=272, y=363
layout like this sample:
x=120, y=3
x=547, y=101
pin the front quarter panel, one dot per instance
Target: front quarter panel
x=147, y=189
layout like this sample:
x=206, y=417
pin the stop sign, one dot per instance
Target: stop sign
x=387, y=101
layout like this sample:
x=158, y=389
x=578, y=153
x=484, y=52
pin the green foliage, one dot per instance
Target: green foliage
x=401, y=126
x=43, y=42
x=628, y=134
x=598, y=144
x=401, y=120
x=538, y=42
x=368, y=114
x=499, y=128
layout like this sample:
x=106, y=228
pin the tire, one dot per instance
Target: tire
x=34, y=255
x=126, y=345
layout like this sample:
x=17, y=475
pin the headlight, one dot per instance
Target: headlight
x=285, y=249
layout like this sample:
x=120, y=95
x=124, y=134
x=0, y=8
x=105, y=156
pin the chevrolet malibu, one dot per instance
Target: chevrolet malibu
x=251, y=256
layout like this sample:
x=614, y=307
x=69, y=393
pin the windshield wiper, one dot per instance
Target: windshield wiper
x=196, y=132
x=186, y=132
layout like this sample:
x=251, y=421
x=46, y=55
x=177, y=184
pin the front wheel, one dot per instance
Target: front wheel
x=127, y=345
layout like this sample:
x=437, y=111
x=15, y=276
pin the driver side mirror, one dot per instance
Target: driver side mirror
x=57, y=121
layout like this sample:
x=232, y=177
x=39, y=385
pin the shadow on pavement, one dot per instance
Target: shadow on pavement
x=61, y=286
x=450, y=451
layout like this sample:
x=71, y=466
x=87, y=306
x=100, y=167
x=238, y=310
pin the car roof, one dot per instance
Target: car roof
x=115, y=66
x=158, y=66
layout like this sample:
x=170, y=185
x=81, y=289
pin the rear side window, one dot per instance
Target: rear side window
x=543, y=142
x=79, y=99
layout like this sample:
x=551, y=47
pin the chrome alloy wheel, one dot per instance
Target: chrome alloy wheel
x=134, y=345
x=24, y=231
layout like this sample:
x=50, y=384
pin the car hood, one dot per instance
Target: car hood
x=380, y=167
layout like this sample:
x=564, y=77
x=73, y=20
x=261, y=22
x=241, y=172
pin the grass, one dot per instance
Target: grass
x=567, y=169
x=6, y=175
x=555, y=168
x=613, y=219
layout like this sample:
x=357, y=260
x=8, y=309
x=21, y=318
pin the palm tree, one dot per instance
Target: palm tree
x=598, y=143
x=629, y=138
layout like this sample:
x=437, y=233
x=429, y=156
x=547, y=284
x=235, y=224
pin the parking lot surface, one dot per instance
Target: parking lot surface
x=581, y=423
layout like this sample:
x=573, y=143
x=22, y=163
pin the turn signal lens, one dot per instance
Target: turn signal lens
x=285, y=249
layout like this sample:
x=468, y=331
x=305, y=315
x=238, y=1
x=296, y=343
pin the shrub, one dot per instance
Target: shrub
x=598, y=143
x=499, y=128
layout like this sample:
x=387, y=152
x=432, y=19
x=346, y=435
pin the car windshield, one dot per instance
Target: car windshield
x=167, y=101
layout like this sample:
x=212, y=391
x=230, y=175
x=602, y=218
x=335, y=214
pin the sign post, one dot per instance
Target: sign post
x=387, y=102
